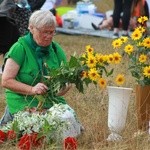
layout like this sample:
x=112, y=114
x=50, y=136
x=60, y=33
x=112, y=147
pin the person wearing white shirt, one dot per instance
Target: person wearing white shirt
x=50, y=4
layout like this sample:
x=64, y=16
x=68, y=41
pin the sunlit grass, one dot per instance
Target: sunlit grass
x=92, y=106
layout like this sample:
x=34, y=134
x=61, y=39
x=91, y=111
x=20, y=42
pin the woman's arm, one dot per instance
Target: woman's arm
x=8, y=81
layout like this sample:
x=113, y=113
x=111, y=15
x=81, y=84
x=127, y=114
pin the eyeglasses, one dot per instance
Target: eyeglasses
x=47, y=33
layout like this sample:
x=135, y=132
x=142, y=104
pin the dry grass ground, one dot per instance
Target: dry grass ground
x=92, y=106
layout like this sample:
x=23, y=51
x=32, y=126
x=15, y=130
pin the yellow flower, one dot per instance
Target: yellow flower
x=146, y=71
x=93, y=74
x=110, y=58
x=84, y=74
x=140, y=29
x=136, y=35
x=146, y=42
x=117, y=57
x=139, y=44
x=120, y=79
x=142, y=58
x=124, y=39
x=105, y=57
x=91, y=61
x=128, y=49
x=102, y=83
x=117, y=43
x=99, y=58
x=89, y=49
x=142, y=19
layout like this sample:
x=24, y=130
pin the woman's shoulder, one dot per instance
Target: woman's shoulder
x=16, y=52
x=55, y=43
x=61, y=55
x=17, y=47
x=56, y=46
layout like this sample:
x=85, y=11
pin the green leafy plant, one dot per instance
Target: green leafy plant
x=69, y=72
x=90, y=67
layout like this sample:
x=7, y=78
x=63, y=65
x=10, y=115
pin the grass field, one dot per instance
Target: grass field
x=92, y=106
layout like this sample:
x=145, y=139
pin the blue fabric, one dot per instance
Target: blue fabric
x=6, y=117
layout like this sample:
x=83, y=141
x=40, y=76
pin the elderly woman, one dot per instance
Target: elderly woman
x=24, y=66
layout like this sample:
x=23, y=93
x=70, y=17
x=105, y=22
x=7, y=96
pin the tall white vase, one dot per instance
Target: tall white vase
x=117, y=110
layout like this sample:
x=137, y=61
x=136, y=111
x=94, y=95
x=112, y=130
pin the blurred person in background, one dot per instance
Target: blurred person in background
x=121, y=6
x=140, y=8
x=9, y=32
x=107, y=23
x=36, y=4
x=51, y=5
x=13, y=23
x=21, y=15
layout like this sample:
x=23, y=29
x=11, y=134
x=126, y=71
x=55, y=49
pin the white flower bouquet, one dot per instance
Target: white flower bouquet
x=32, y=128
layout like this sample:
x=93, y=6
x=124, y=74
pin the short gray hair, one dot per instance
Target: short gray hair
x=42, y=18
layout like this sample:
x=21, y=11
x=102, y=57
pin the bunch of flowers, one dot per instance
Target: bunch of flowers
x=32, y=128
x=89, y=67
x=137, y=50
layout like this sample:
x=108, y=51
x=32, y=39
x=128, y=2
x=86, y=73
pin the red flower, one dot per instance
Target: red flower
x=11, y=135
x=2, y=136
x=70, y=143
x=25, y=142
x=28, y=141
x=36, y=142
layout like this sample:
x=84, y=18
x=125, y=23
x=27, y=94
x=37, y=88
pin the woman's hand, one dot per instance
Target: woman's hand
x=64, y=90
x=39, y=88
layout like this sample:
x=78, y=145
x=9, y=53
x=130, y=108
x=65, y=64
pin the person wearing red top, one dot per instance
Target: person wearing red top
x=139, y=8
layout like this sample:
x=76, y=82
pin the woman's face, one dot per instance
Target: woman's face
x=43, y=36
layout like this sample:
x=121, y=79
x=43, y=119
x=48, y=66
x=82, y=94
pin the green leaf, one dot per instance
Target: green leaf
x=79, y=86
x=110, y=72
x=136, y=74
x=15, y=127
x=73, y=62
